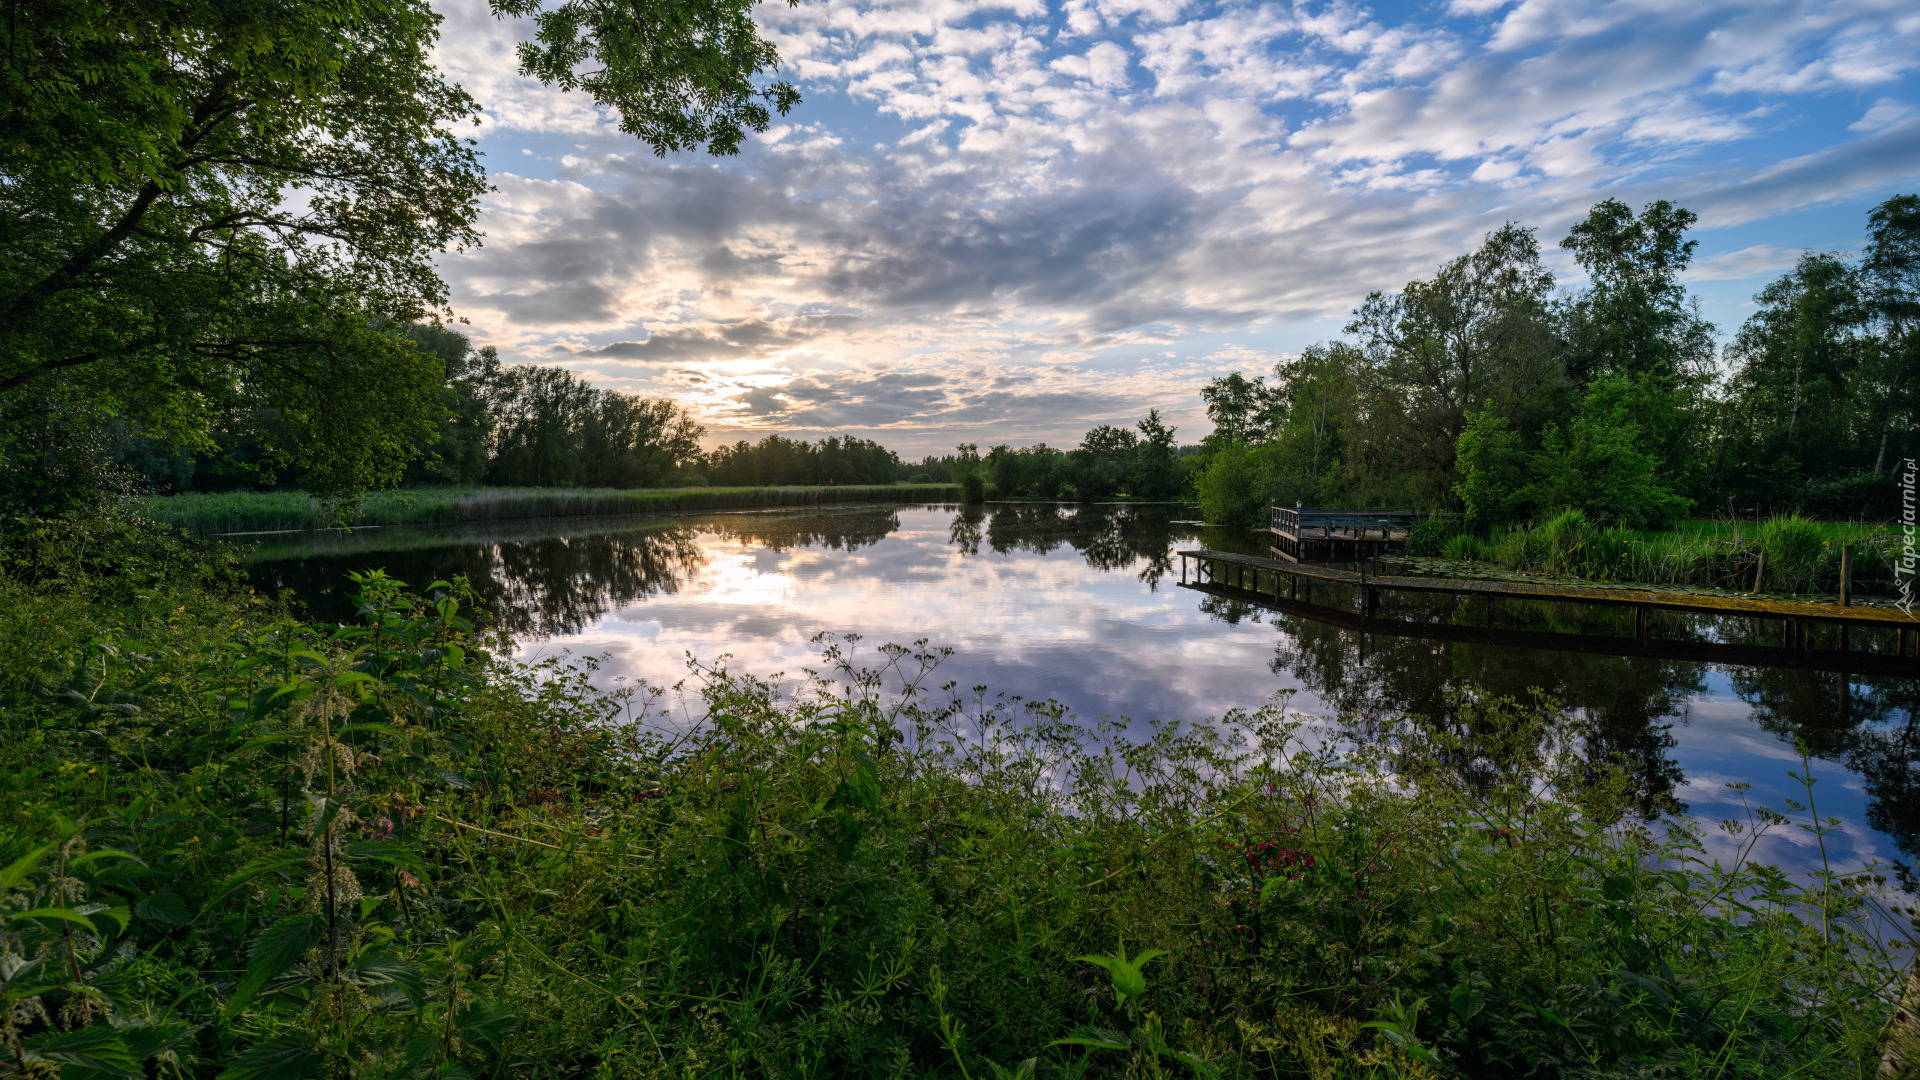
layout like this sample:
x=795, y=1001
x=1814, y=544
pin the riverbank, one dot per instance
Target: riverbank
x=287, y=850
x=203, y=514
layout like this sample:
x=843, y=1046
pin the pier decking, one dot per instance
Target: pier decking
x=1288, y=586
x=1302, y=533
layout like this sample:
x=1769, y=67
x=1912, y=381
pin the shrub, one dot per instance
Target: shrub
x=1429, y=536
x=1232, y=490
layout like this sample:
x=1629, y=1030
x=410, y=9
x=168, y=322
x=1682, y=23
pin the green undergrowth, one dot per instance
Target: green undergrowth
x=233, y=844
x=206, y=514
x=1800, y=556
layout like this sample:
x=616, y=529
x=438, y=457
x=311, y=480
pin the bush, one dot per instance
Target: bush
x=921, y=478
x=1232, y=490
x=1428, y=537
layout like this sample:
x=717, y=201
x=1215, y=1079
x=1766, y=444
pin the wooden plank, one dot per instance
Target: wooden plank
x=1668, y=601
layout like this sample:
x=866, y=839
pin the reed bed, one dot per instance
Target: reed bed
x=273, y=511
x=1786, y=555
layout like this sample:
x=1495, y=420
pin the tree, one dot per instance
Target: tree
x=1242, y=409
x=219, y=213
x=1156, y=462
x=1892, y=269
x=1103, y=463
x=1635, y=317
x=1795, y=411
x=1477, y=336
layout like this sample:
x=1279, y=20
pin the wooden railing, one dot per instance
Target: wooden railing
x=1294, y=522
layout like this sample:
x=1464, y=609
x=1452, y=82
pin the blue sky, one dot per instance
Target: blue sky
x=1009, y=221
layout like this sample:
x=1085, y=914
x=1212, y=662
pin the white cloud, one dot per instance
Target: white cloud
x=987, y=183
x=1885, y=113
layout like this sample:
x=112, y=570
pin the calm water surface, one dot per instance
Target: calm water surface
x=1084, y=605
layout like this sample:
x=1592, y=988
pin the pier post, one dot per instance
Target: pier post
x=1640, y=623
x=1846, y=575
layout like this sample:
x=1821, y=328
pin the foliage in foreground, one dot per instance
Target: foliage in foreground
x=238, y=845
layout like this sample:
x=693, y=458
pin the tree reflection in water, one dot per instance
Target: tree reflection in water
x=1110, y=537
x=1866, y=724
x=546, y=579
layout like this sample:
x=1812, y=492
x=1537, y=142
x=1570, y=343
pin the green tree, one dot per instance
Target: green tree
x=1233, y=487
x=1156, y=462
x=1493, y=487
x=1478, y=336
x=1243, y=410
x=1892, y=269
x=1103, y=462
x=217, y=213
x=1635, y=317
x=1599, y=466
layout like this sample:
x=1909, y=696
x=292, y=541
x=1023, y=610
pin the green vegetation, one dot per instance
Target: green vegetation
x=1139, y=462
x=1484, y=390
x=216, y=221
x=1801, y=556
x=254, y=511
x=237, y=845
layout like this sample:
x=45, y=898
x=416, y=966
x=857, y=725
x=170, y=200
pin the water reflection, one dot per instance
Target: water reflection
x=1048, y=600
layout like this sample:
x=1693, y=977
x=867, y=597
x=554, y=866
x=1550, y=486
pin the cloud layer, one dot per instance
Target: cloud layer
x=1006, y=220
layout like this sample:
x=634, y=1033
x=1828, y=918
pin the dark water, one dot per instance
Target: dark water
x=1085, y=605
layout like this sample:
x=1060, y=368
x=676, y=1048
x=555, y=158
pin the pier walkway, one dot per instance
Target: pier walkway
x=1289, y=587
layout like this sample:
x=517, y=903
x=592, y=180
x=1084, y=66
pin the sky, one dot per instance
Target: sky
x=1007, y=221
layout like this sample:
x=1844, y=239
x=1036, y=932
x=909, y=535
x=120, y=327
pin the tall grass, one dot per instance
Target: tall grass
x=254, y=511
x=1801, y=556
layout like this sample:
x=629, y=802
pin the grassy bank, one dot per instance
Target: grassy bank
x=1784, y=555
x=256, y=511
x=241, y=846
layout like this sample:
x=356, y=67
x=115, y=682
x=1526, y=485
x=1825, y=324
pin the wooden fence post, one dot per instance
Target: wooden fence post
x=1846, y=575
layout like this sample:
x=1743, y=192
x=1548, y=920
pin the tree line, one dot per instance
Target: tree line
x=1488, y=390
x=530, y=426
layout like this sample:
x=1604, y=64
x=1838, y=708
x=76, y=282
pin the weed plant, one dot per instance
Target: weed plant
x=264, y=511
x=233, y=844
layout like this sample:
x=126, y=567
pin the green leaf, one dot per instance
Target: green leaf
x=1097, y=1038
x=97, y=1047
x=386, y=851
x=22, y=866
x=1467, y=1001
x=61, y=914
x=279, y=947
x=1128, y=980
x=164, y=907
x=103, y=853
x=283, y=1057
x=260, y=867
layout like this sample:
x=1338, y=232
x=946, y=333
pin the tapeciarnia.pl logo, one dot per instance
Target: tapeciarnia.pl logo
x=1903, y=569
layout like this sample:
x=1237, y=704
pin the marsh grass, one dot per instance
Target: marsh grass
x=1802, y=556
x=204, y=514
x=239, y=845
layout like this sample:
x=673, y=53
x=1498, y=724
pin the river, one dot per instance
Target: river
x=1084, y=605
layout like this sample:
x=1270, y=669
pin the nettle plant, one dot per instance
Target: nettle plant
x=236, y=879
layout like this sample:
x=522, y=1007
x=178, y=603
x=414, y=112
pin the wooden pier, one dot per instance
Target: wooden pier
x=1288, y=586
x=1302, y=533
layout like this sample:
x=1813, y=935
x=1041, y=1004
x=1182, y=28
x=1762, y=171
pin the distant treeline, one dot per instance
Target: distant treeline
x=1487, y=390
x=530, y=426
x=1142, y=462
